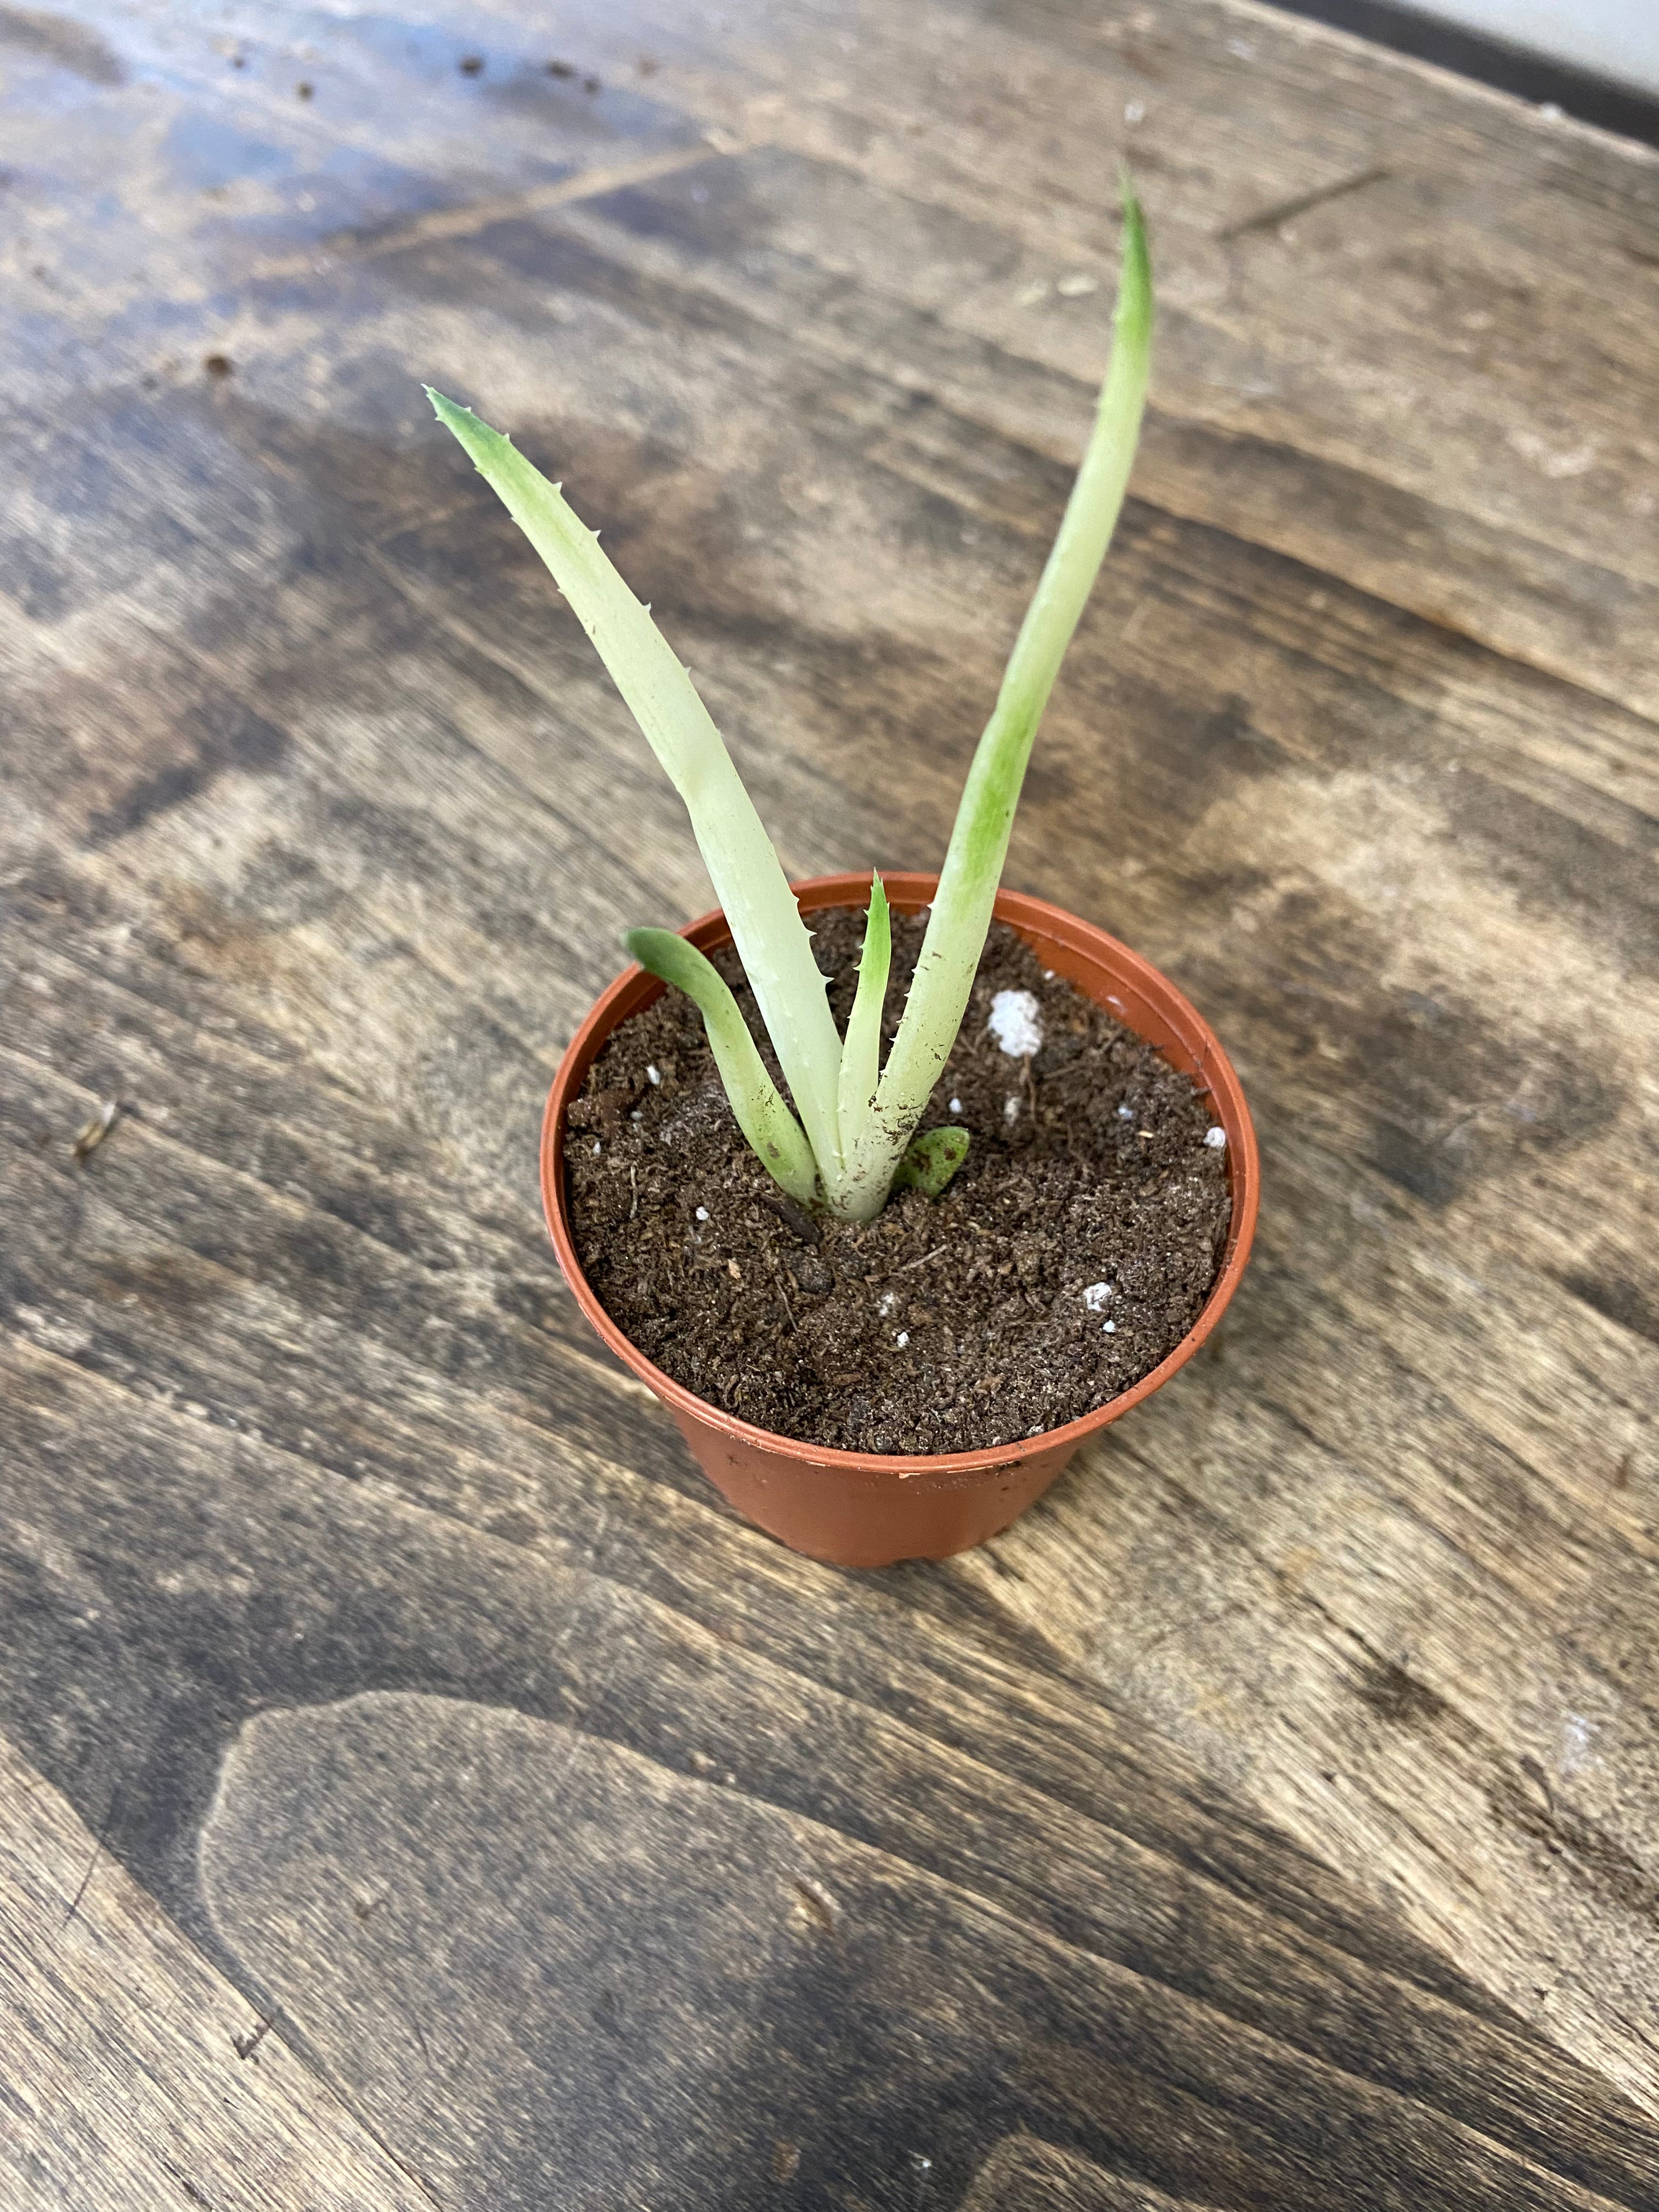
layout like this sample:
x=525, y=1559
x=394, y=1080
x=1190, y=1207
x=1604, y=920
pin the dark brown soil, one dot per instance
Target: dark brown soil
x=950, y=1324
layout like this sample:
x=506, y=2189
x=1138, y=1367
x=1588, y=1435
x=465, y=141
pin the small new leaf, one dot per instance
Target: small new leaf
x=772, y=1130
x=930, y=1160
x=861, y=1057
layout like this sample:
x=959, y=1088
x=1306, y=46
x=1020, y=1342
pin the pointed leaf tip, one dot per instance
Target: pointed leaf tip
x=749, y=878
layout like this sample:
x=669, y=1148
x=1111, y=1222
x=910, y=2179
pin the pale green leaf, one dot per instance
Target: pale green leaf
x=773, y=1131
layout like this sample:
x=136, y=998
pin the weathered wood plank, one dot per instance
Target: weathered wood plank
x=1025, y=2175
x=131, y=2073
x=319, y=827
x=942, y=1778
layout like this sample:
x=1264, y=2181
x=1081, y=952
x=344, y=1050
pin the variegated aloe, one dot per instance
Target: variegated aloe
x=857, y=1120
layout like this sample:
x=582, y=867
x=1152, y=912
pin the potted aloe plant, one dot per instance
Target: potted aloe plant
x=795, y=1294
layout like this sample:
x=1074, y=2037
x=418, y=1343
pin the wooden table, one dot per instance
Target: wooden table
x=421, y=1791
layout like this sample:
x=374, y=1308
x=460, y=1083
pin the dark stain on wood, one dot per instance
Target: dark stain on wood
x=1625, y=1304
x=234, y=738
x=1398, y=1697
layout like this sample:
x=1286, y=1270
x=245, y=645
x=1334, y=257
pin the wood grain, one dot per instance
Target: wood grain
x=1025, y=2175
x=1270, y=1819
x=1069, y=1914
x=133, y=2073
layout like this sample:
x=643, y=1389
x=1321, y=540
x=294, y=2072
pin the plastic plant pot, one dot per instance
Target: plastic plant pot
x=870, y=1509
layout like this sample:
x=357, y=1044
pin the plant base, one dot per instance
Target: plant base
x=868, y=1507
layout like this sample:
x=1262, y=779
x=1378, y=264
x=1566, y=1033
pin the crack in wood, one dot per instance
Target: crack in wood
x=1282, y=211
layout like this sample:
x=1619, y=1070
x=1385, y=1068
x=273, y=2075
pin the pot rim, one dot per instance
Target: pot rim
x=908, y=892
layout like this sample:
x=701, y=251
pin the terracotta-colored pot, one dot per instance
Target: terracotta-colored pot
x=870, y=1509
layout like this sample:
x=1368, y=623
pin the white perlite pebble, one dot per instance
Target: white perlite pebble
x=1110, y=1327
x=1095, y=1296
x=703, y=1213
x=889, y=1301
x=1016, y=1023
x=956, y=1105
x=598, y=1148
x=1126, y=1113
x=1216, y=1138
x=653, y=1075
x=1010, y=1109
x=903, y=1339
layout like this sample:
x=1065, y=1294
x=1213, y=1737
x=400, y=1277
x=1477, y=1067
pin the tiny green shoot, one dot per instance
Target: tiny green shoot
x=860, y=1054
x=856, y=1131
x=930, y=1160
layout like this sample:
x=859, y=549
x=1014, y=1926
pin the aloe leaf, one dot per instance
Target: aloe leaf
x=776, y=1136
x=930, y=1160
x=861, y=1056
x=749, y=881
x=979, y=842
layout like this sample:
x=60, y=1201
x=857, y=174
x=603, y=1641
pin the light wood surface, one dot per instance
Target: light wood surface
x=1271, y=1818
